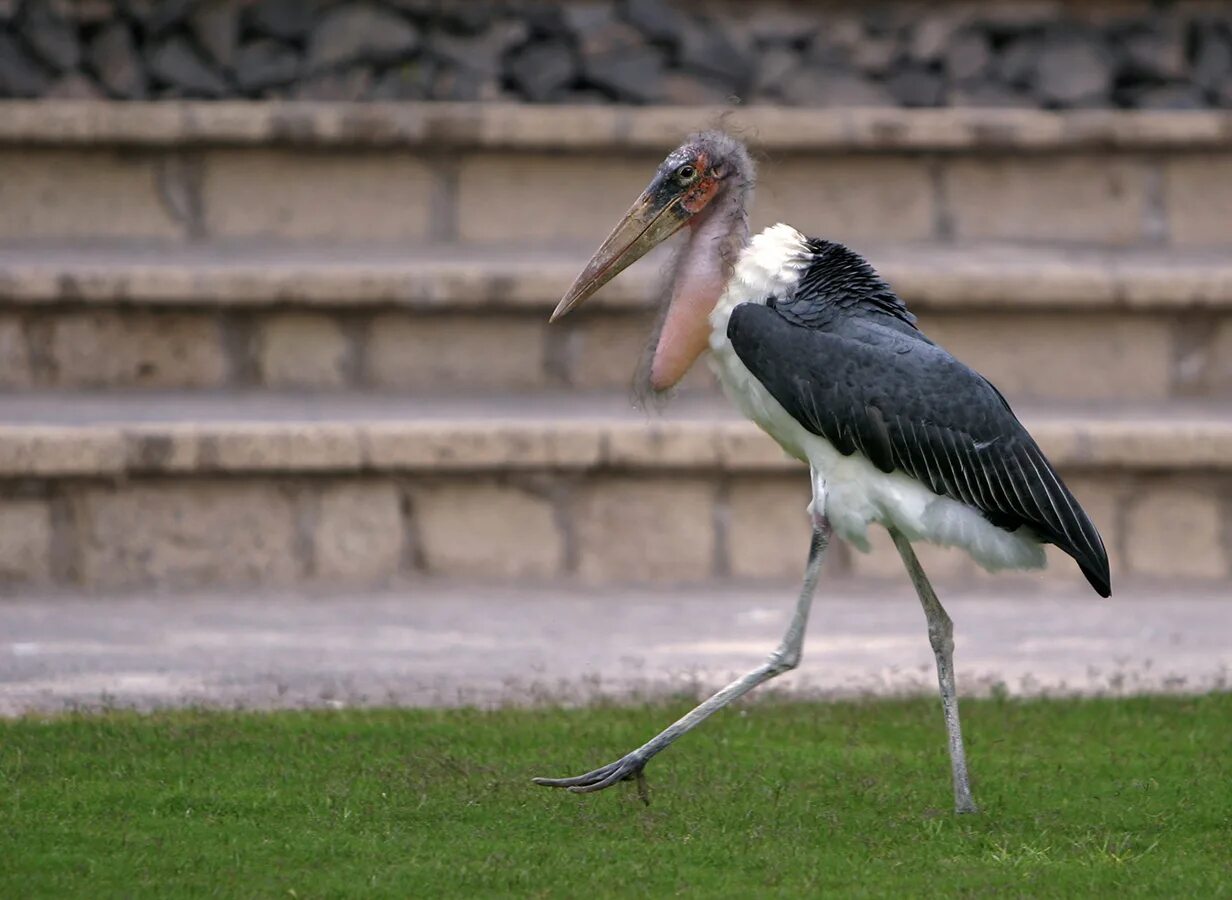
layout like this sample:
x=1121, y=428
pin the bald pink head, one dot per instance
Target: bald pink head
x=704, y=183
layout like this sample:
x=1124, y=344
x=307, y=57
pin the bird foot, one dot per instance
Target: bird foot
x=627, y=768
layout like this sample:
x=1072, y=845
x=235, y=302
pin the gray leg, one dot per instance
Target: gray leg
x=784, y=658
x=941, y=636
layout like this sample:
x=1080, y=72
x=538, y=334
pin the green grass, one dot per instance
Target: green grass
x=1079, y=798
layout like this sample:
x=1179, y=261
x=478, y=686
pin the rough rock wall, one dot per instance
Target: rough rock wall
x=903, y=53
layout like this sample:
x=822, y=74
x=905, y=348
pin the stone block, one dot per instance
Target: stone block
x=605, y=352
x=14, y=358
x=1176, y=531
x=1198, y=198
x=768, y=527
x=111, y=349
x=644, y=529
x=486, y=530
x=186, y=534
x=1217, y=379
x=297, y=195
x=25, y=541
x=450, y=352
x=870, y=198
x=1053, y=354
x=530, y=198
x=1046, y=198
x=302, y=350
x=51, y=193
x=359, y=532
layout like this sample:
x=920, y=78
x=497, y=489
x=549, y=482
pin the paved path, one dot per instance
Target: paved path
x=433, y=645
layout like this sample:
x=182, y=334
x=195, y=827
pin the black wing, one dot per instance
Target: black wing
x=867, y=381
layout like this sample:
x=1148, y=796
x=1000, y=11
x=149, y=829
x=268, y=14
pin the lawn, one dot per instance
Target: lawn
x=1079, y=798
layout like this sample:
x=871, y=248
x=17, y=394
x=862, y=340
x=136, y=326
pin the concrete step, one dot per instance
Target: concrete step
x=479, y=173
x=435, y=644
x=1041, y=322
x=178, y=489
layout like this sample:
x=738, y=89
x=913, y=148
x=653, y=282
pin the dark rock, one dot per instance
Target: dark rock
x=1223, y=96
x=74, y=86
x=286, y=20
x=710, y=50
x=1212, y=65
x=916, y=86
x=679, y=89
x=1006, y=21
x=783, y=26
x=178, y=66
x=1174, y=96
x=811, y=86
x=463, y=84
x=1073, y=70
x=545, y=21
x=584, y=19
x=216, y=26
x=483, y=52
x=847, y=32
x=20, y=76
x=773, y=66
x=1155, y=55
x=990, y=94
x=409, y=81
x=113, y=57
x=467, y=17
x=421, y=9
x=1016, y=63
x=876, y=55
x=609, y=36
x=615, y=56
x=168, y=15
x=658, y=21
x=634, y=75
x=968, y=56
x=52, y=39
x=363, y=32
x=92, y=12
x=346, y=86
x=823, y=53
x=930, y=37
x=542, y=69
x=265, y=63
x=140, y=11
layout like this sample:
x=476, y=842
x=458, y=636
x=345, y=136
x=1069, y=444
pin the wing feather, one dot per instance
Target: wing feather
x=907, y=405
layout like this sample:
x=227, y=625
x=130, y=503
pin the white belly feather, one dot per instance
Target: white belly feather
x=857, y=492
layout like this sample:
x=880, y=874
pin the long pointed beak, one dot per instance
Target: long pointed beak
x=650, y=221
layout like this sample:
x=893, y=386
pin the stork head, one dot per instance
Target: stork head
x=709, y=172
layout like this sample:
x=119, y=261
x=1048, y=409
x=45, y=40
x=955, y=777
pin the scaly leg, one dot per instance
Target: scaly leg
x=785, y=657
x=941, y=636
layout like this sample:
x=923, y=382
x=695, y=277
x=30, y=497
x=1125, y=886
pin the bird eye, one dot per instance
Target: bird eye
x=686, y=173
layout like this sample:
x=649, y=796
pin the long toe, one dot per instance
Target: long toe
x=579, y=780
x=604, y=777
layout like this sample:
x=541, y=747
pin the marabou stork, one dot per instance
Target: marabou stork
x=812, y=345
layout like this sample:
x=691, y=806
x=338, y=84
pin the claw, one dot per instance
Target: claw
x=628, y=768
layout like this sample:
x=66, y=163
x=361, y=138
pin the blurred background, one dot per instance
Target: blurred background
x=275, y=278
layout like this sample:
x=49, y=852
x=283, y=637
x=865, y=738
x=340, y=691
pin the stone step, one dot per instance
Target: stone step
x=478, y=174
x=1038, y=321
x=181, y=490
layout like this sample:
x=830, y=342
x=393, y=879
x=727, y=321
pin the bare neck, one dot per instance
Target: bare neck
x=702, y=271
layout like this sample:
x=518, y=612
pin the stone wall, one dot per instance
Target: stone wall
x=1014, y=53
